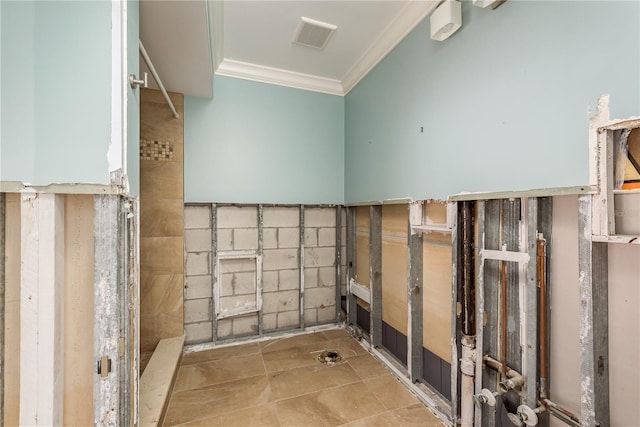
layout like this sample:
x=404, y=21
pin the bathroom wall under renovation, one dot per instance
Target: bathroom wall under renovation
x=254, y=269
x=78, y=339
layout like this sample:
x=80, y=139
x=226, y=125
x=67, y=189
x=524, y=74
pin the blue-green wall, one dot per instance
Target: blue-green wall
x=56, y=91
x=257, y=142
x=504, y=103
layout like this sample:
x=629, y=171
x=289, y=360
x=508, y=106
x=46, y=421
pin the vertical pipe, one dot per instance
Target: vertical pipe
x=542, y=311
x=469, y=332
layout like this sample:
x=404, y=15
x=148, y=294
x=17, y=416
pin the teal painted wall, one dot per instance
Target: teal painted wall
x=133, y=98
x=56, y=97
x=257, y=142
x=503, y=103
x=17, y=99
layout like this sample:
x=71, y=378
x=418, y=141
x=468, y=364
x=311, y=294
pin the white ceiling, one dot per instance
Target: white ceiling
x=185, y=39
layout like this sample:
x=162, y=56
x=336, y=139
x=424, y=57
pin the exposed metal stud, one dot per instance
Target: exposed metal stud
x=414, y=294
x=531, y=295
x=338, y=262
x=479, y=319
x=107, y=263
x=456, y=325
x=301, y=266
x=594, y=320
x=512, y=236
x=375, y=273
x=214, y=266
x=259, y=267
x=2, y=295
x=351, y=264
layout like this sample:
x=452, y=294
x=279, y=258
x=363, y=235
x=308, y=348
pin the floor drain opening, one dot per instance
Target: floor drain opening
x=329, y=357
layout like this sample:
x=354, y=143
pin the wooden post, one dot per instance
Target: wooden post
x=41, y=309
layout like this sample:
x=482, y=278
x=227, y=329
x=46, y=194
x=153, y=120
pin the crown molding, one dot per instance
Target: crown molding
x=408, y=18
x=277, y=76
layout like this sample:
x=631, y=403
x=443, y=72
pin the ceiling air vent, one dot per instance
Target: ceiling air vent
x=313, y=33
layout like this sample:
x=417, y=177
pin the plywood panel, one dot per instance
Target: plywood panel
x=362, y=245
x=437, y=299
x=12, y=312
x=78, y=312
x=394, y=266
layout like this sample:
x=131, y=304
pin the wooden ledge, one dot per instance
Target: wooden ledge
x=157, y=381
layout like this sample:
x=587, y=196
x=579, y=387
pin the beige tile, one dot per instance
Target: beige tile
x=334, y=334
x=259, y=416
x=161, y=309
x=330, y=407
x=161, y=255
x=193, y=405
x=416, y=415
x=161, y=217
x=307, y=379
x=218, y=371
x=161, y=179
x=306, y=354
x=386, y=419
x=391, y=392
x=289, y=358
x=366, y=366
x=220, y=353
x=295, y=341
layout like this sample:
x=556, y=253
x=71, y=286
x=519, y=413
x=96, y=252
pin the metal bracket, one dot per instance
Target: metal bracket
x=104, y=361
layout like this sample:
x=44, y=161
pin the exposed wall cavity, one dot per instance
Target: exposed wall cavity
x=253, y=269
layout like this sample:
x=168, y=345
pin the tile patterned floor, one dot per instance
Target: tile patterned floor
x=281, y=383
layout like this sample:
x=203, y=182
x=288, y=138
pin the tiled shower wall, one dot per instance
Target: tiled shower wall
x=244, y=266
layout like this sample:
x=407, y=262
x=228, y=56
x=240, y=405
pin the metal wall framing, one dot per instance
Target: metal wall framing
x=108, y=281
x=214, y=267
x=594, y=322
x=414, y=293
x=2, y=296
x=375, y=273
x=351, y=265
x=338, y=262
x=301, y=266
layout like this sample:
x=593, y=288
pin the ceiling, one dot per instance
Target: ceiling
x=188, y=39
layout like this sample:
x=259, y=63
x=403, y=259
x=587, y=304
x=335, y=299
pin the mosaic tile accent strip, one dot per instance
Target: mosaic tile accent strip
x=156, y=150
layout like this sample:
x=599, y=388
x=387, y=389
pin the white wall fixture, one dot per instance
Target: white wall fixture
x=446, y=20
x=483, y=3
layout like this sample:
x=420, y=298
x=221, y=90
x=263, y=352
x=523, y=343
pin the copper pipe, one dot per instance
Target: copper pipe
x=542, y=285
